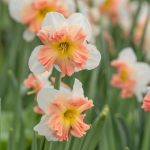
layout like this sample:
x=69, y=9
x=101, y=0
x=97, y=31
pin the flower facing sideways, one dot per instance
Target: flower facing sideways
x=32, y=13
x=36, y=82
x=65, y=45
x=62, y=113
x=146, y=102
x=39, y=81
x=132, y=76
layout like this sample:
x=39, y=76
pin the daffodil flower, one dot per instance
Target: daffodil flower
x=65, y=45
x=132, y=76
x=38, y=81
x=32, y=13
x=62, y=113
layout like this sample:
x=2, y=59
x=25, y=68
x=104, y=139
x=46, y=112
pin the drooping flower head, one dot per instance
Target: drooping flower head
x=32, y=13
x=39, y=81
x=65, y=45
x=62, y=113
x=132, y=76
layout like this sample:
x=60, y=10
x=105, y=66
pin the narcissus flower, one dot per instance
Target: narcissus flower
x=62, y=113
x=146, y=102
x=132, y=76
x=39, y=81
x=65, y=45
x=32, y=13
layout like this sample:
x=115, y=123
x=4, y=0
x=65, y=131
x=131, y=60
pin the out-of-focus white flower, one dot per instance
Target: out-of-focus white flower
x=32, y=13
x=132, y=76
x=93, y=15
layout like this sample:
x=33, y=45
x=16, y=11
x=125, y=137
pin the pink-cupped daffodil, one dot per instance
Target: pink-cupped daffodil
x=32, y=13
x=132, y=76
x=65, y=45
x=36, y=82
x=62, y=113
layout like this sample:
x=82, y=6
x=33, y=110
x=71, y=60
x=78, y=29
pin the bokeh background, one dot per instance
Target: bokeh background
x=116, y=123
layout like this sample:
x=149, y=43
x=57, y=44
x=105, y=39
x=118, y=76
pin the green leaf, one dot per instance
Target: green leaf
x=10, y=140
x=13, y=79
x=95, y=133
x=124, y=130
x=126, y=148
x=139, y=51
x=69, y=142
x=134, y=23
x=146, y=137
x=34, y=142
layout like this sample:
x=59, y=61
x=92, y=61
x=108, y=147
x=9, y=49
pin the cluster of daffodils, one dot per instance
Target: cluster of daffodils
x=66, y=47
x=132, y=76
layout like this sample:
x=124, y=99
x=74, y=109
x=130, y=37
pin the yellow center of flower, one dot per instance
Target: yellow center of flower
x=107, y=4
x=124, y=76
x=63, y=47
x=42, y=12
x=70, y=116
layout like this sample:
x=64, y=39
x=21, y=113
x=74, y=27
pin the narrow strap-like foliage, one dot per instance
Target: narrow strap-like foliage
x=10, y=140
x=124, y=130
x=34, y=142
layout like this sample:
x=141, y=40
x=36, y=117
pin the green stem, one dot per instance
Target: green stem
x=0, y=123
x=57, y=80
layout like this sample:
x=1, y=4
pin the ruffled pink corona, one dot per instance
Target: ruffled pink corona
x=65, y=48
x=146, y=102
x=123, y=78
x=33, y=82
x=33, y=13
x=66, y=116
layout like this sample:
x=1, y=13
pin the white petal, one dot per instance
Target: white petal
x=34, y=65
x=56, y=66
x=64, y=90
x=46, y=95
x=43, y=129
x=142, y=77
x=79, y=19
x=14, y=9
x=127, y=55
x=94, y=59
x=55, y=20
x=51, y=138
x=138, y=94
x=77, y=90
x=28, y=35
x=142, y=72
x=44, y=80
x=71, y=5
x=46, y=73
